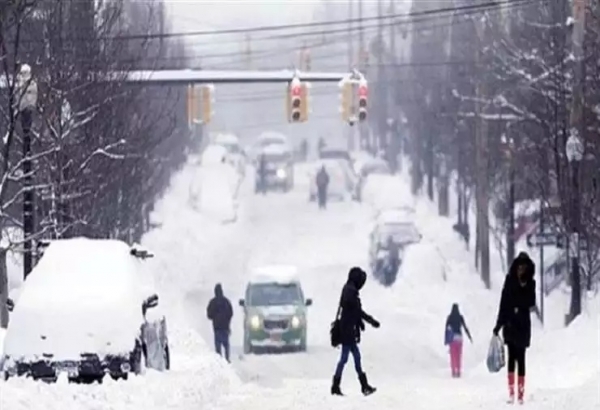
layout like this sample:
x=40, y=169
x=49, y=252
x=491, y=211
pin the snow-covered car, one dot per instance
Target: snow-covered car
x=279, y=168
x=85, y=311
x=393, y=215
x=235, y=153
x=340, y=182
x=402, y=231
x=267, y=139
x=275, y=310
x=374, y=166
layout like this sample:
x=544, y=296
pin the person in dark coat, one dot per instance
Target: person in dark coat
x=514, y=318
x=455, y=323
x=351, y=324
x=322, y=181
x=219, y=310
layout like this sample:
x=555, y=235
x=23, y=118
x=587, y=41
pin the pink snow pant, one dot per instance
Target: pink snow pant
x=456, y=356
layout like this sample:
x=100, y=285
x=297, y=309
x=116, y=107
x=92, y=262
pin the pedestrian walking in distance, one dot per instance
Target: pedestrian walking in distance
x=220, y=312
x=514, y=318
x=455, y=323
x=350, y=324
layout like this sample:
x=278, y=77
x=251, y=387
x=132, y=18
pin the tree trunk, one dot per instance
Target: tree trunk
x=3, y=289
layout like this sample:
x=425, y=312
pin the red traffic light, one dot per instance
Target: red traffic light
x=363, y=91
x=296, y=90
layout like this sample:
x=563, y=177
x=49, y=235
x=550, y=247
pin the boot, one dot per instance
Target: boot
x=511, y=388
x=335, y=386
x=521, y=388
x=364, y=385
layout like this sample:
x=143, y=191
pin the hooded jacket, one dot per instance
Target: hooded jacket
x=219, y=310
x=352, y=315
x=456, y=322
x=517, y=300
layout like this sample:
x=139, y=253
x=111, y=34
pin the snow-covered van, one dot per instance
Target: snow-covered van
x=275, y=314
x=85, y=311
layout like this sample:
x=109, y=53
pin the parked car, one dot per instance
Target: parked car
x=375, y=166
x=402, y=231
x=85, y=311
x=340, y=182
x=275, y=310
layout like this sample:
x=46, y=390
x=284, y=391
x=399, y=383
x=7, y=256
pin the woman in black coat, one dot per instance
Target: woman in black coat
x=514, y=318
x=351, y=324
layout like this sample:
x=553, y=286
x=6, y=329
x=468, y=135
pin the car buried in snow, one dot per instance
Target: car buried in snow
x=275, y=310
x=84, y=312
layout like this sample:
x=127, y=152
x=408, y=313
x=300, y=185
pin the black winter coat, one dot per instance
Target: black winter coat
x=219, y=310
x=352, y=316
x=514, y=313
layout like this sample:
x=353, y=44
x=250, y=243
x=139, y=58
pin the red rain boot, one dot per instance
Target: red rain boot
x=521, y=387
x=511, y=388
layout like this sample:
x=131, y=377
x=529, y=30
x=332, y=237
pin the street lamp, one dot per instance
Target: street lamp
x=27, y=101
x=574, y=151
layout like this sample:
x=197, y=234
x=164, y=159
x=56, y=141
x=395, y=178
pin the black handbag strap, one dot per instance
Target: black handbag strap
x=339, y=309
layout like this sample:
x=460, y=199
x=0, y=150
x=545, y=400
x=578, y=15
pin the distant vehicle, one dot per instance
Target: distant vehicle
x=395, y=215
x=235, y=153
x=85, y=311
x=403, y=232
x=275, y=314
x=340, y=182
x=279, y=168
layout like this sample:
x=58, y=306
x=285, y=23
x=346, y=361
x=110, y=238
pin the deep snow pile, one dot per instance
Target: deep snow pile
x=183, y=243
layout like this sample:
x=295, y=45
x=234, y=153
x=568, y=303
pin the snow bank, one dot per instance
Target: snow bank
x=186, y=243
x=386, y=191
x=213, y=188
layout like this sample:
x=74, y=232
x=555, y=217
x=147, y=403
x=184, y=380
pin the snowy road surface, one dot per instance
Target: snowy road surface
x=405, y=358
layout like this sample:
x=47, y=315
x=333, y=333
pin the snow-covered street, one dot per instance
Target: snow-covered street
x=405, y=359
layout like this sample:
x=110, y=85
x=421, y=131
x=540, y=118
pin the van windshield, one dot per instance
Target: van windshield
x=274, y=294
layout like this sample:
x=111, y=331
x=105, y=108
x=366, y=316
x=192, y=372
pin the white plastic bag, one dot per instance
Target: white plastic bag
x=495, y=358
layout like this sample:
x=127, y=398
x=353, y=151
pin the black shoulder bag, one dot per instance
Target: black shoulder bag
x=336, y=329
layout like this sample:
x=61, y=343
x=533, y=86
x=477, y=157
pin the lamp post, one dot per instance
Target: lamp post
x=574, y=151
x=28, y=94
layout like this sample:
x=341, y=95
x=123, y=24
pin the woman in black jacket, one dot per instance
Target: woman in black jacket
x=514, y=318
x=351, y=324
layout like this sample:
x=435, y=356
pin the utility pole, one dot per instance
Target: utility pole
x=381, y=119
x=574, y=148
x=350, y=130
x=482, y=247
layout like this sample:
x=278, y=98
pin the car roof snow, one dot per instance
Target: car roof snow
x=283, y=274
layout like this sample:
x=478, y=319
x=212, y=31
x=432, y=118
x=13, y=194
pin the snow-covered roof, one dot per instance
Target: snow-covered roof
x=275, y=149
x=227, y=139
x=275, y=274
x=271, y=135
x=396, y=215
x=78, y=288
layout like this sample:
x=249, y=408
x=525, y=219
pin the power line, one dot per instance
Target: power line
x=482, y=7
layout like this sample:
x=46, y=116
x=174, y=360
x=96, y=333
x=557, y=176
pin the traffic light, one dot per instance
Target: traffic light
x=363, y=93
x=297, y=102
x=347, y=108
x=207, y=95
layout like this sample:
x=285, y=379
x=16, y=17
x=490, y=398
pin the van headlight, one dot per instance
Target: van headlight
x=254, y=322
x=296, y=322
x=281, y=173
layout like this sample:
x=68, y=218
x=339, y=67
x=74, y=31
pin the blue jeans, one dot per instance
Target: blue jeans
x=222, y=340
x=346, y=350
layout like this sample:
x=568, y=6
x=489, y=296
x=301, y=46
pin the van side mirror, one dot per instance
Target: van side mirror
x=150, y=302
x=241, y=302
x=308, y=302
x=10, y=304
